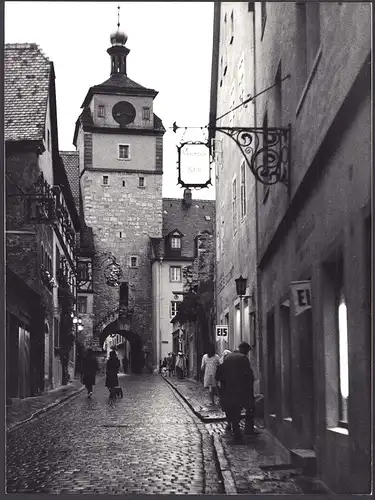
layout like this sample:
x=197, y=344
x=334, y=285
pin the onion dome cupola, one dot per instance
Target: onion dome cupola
x=118, y=51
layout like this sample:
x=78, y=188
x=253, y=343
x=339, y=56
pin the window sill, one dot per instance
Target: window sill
x=339, y=430
x=309, y=79
x=124, y=159
x=142, y=187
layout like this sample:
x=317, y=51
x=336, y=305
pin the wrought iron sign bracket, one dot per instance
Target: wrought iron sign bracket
x=266, y=151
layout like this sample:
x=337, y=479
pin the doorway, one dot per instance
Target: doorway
x=24, y=363
x=306, y=377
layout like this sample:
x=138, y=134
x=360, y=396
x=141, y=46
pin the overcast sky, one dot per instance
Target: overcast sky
x=170, y=45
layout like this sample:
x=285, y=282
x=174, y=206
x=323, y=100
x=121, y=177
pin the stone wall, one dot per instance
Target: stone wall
x=123, y=218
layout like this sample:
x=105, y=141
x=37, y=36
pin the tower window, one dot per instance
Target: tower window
x=146, y=114
x=101, y=111
x=124, y=152
x=105, y=180
x=133, y=261
x=141, y=182
x=123, y=183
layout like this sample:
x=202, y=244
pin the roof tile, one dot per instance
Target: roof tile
x=26, y=84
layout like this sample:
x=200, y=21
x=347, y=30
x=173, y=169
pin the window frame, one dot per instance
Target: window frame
x=175, y=239
x=123, y=145
x=174, y=305
x=101, y=111
x=243, y=204
x=178, y=274
x=131, y=257
x=81, y=302
x=105, y=177
x=263, y=10
x=146, y=113
x=141, y=185
x=234, y=204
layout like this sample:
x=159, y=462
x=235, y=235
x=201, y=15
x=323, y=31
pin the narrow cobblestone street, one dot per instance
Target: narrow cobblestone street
x=147, y=442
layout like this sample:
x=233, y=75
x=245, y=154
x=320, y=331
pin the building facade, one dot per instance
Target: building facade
x=175, y=261
x=119, y=141
x=312, y=71
x=232, y=83
x=41, y=224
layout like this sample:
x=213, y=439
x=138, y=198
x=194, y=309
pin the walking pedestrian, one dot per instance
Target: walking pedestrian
x=221, y=387
x=112, y=368
x=90, y=368
x=164, y=367
x=125, y=364
x=180, y=365
x=170, y=362
x=237, y=378
x=210, y=362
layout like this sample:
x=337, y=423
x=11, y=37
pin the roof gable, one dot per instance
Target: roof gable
x=118, y=84
x=27, y=73
x=175, y=233
x=189, y=221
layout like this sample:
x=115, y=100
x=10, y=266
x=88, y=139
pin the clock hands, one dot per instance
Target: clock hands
x=123, y=113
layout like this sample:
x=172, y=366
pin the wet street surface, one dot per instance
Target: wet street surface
x=147, y=442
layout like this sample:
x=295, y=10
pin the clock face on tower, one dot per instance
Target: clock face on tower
x=123, y=112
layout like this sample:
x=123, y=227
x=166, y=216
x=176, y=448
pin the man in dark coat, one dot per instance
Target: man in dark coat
x=237, y=381
x=90, y=368
x=112, y=368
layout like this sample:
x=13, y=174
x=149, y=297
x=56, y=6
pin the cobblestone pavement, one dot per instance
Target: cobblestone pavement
x=259, y=465
x=22, y=409
x=147, y=442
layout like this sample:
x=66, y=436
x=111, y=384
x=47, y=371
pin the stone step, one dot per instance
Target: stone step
x=304, y=459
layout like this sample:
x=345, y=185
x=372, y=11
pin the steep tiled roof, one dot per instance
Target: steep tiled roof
x=71, y=164
x=122, y=81
x=26, y=83
x=158, y=124
x=190, y=220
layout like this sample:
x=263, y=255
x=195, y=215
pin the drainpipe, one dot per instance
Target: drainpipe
x=258, y=305
x=158, y=331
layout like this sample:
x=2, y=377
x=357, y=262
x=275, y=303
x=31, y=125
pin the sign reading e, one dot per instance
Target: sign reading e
x=222, y=332
x=301, y=296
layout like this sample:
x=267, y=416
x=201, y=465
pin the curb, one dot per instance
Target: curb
x=206, y=420
x=43, y=410
x=226, y=473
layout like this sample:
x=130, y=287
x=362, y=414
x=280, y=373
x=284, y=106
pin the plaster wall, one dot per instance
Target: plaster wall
x=142, y=152
x=108, y=101
x=235, y=233
x=332, y=217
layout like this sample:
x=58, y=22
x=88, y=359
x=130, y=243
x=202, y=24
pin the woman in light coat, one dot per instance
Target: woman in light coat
x=210, y=362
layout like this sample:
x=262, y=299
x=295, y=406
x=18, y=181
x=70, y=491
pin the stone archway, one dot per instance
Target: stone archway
x=135, y=341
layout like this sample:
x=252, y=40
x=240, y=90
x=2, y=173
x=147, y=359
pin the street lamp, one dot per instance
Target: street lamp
x=241, y=291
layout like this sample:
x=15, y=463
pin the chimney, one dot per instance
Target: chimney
x=187, y=200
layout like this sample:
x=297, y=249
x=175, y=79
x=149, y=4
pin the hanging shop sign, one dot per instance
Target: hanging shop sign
x=301, y=296
x=194, y=164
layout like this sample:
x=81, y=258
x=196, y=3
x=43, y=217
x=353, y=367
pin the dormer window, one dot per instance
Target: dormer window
x=173, y=241
x=176, y=242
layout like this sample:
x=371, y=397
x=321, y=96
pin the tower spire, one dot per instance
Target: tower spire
x=118, y=51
